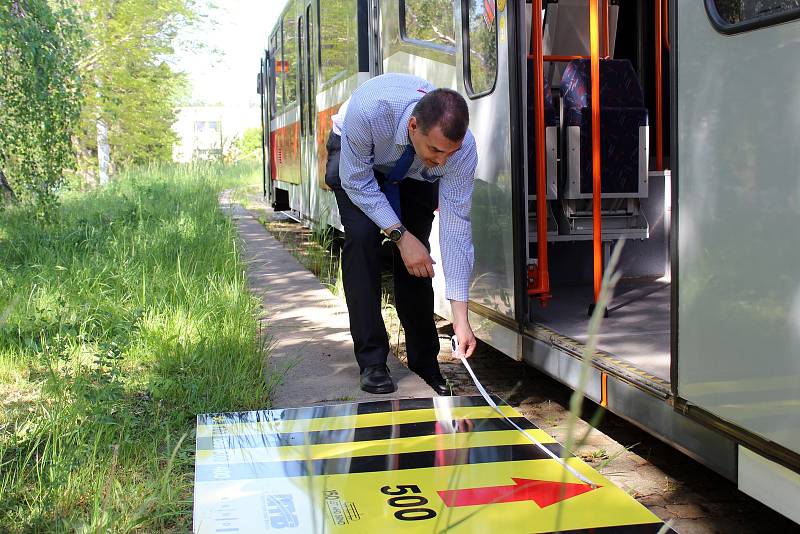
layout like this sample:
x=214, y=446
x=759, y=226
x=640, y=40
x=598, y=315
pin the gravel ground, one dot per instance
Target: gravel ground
x=672, y=485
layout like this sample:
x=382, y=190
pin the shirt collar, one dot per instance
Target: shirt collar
x=401, y=135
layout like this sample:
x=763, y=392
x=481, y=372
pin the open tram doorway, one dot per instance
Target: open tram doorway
x=635, y=181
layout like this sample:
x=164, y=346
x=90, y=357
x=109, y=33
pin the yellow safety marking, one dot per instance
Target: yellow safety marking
x=379, y=447
x=354, y=421
x=355, y=502
x=605, y=506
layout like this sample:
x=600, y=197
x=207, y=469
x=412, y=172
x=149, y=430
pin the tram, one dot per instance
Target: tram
x=672, y=125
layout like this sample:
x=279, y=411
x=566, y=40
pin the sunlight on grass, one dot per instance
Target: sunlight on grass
x=119, y=323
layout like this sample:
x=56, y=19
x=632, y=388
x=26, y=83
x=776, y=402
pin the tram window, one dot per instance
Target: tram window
x=481, y=47
x=276, y=71
x=733, y=16
x=289, y=59
x=311, y=47
x=428, y=22
x=338, y=34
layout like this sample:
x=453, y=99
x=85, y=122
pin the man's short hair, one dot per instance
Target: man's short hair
x=446, y=109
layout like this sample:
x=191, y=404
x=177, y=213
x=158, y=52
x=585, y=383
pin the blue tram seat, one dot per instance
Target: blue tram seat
x=624, y=130
x=551, y=138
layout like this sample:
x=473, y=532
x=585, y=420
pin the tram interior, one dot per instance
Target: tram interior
x=635, y=194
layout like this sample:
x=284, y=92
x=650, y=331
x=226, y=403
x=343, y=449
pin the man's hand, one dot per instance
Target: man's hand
x=415, y=256
x=463, y=330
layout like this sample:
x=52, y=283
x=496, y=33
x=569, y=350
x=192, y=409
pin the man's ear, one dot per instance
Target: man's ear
x=412, y=124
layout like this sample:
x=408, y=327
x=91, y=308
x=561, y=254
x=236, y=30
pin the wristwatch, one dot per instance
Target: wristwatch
x=395, y=234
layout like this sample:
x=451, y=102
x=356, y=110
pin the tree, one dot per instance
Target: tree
x=431, y=21
x=131, y=90
x=249, y=145
x=40, y=97
x=338, y=33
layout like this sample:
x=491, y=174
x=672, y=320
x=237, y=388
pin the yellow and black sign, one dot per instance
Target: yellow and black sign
x=448, y=464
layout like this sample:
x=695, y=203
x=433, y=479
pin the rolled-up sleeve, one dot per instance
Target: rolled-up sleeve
x=455, y=227
x=356, y=161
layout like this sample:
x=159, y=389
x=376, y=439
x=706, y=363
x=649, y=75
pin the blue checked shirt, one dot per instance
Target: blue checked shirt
x=374, y=130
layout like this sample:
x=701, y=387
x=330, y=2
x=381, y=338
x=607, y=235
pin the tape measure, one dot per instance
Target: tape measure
x=490, y=402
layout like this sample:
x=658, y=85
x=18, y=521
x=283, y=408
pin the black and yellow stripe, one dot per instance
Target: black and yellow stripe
x=369, y=433
x=273, y=422
x=319, y=440
x=377, y=463
x=344, y=449
x=347, y=409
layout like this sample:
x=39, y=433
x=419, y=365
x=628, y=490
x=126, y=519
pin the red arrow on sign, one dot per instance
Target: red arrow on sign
x=542, y=492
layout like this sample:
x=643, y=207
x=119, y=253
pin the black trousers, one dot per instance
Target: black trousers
x=361, y=272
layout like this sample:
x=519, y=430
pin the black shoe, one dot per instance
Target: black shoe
x=439, y=385
x=376, y=379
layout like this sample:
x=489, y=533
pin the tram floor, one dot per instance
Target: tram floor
x=637, y=328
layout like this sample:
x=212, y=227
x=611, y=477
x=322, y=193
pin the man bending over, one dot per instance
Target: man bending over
x=398, y=150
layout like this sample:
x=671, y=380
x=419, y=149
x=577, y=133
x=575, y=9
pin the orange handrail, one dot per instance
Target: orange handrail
x=659, y=91
x=564, y=59
x=542, y=287
x=594, y=40
x=597, y=242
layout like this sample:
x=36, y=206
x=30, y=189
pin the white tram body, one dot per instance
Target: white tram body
x=697, y=166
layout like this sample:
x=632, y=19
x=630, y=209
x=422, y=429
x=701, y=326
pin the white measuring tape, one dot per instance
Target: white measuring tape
x=488, y=399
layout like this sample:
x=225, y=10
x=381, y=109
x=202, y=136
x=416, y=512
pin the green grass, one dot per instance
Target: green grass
x=119, y=322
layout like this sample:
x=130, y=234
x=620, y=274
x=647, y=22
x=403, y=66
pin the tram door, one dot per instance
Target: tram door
x=306, y=32
x=482, y=67
x=263, y=90
x=737, y=118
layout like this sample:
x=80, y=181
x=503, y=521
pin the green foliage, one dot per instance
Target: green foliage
x=130, y=86
x=482, y=48
x=249, y=145
x=40, y=96
x=290, y=57
x=431, y=21
x=117, y=326
x=338, y=40
x=66, y=65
